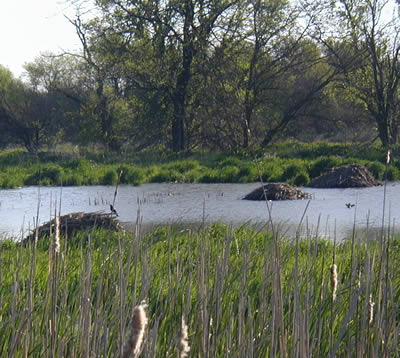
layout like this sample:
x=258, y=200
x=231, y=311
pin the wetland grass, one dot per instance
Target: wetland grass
x=242, y=292
x=291, y=162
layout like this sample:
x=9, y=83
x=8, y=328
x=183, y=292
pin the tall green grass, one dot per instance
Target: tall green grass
x=242, y=293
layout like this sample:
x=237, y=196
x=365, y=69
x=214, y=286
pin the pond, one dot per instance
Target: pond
x=188, y=204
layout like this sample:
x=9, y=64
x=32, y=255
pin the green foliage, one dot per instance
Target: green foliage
x=393, y=173
x=322, y=165
x=183, y=165
x=228, y=174
x=376, y=168
x=47, y=174
x=236, y=271
x=229, y=161
x=12, y=157
x=20, y=168
x=301, y=179
x=209, y=176
x=165, y=175
x=110, y=177
x=295, y=168
x=131, y=174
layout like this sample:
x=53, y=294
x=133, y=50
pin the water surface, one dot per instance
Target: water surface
x=159, y=204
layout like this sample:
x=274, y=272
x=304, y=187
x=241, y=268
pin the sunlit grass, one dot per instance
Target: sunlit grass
x=291, y=162
x=243, y=292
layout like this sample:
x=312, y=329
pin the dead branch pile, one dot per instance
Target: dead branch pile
x=348, y=176
x=276, y=191
x=74, y=222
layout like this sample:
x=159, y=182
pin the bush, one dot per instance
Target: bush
x=322, y=165
x=393, y=173
x=271, y=171
x=73, y=179
x=163, y=175
x=301, y=179
x=110, y=177
x=50, y=174
x=292, y=170
x=183, y=166
x=377, y=169
x=229, y=161
x=131, y=175
x=209, y=176
x=248, y=174
x=228, y=174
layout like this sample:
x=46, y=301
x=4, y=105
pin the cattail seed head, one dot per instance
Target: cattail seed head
x=334, y=281
x=371, y=305
x=134, y=343
x=183, y=342
x=57, y=244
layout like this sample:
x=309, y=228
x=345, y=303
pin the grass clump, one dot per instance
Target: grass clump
x=322, y=165
x=48, y=174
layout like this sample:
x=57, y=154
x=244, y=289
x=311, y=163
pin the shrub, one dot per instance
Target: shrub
x=393, y=173
x=183, y=166
x=163, y=175
x=376, y=168
x=110, y=177
x=301, y=179
x=322, y=165
x=248, y=174
x=131, y=175
x=73, y=179
x=228, y=174
x=209, y=176
x=50, y=174
x=292, y=170
x=229, y=161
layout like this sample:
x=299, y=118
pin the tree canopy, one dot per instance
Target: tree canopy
x=213, y=74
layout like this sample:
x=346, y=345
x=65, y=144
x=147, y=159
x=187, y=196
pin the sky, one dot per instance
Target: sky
x=31, y=27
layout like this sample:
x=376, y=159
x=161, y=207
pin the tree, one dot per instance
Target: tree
x=25, y=116
x=179, y=32
x=372, y=77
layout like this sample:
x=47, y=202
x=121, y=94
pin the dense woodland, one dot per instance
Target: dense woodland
x=212, y=75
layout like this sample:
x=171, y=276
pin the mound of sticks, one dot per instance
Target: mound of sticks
x=276, y=191
x=74, y=222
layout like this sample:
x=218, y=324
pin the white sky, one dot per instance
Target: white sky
x=31, y=27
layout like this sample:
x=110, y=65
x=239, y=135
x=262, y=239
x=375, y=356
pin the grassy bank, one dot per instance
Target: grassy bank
x=241, y=292
x=294, y=163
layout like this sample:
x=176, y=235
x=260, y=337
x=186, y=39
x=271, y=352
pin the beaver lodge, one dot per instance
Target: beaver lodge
x=74, y=222
x=348, y=176
x=276, y=191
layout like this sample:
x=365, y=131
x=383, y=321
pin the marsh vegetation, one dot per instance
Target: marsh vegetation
x=291, y=162
x=242, y=293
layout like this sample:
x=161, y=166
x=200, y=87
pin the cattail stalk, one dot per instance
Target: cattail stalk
x=183, y=342
x=334, y=281
x=133, y=345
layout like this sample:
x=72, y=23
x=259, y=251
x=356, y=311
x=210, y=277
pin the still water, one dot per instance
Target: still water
x=158, y=204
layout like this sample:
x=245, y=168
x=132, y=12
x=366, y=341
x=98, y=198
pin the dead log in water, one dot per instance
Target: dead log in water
x=74, y=222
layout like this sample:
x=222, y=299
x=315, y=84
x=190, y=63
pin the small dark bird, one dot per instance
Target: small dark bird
x=349, y=205
x=113, y=211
